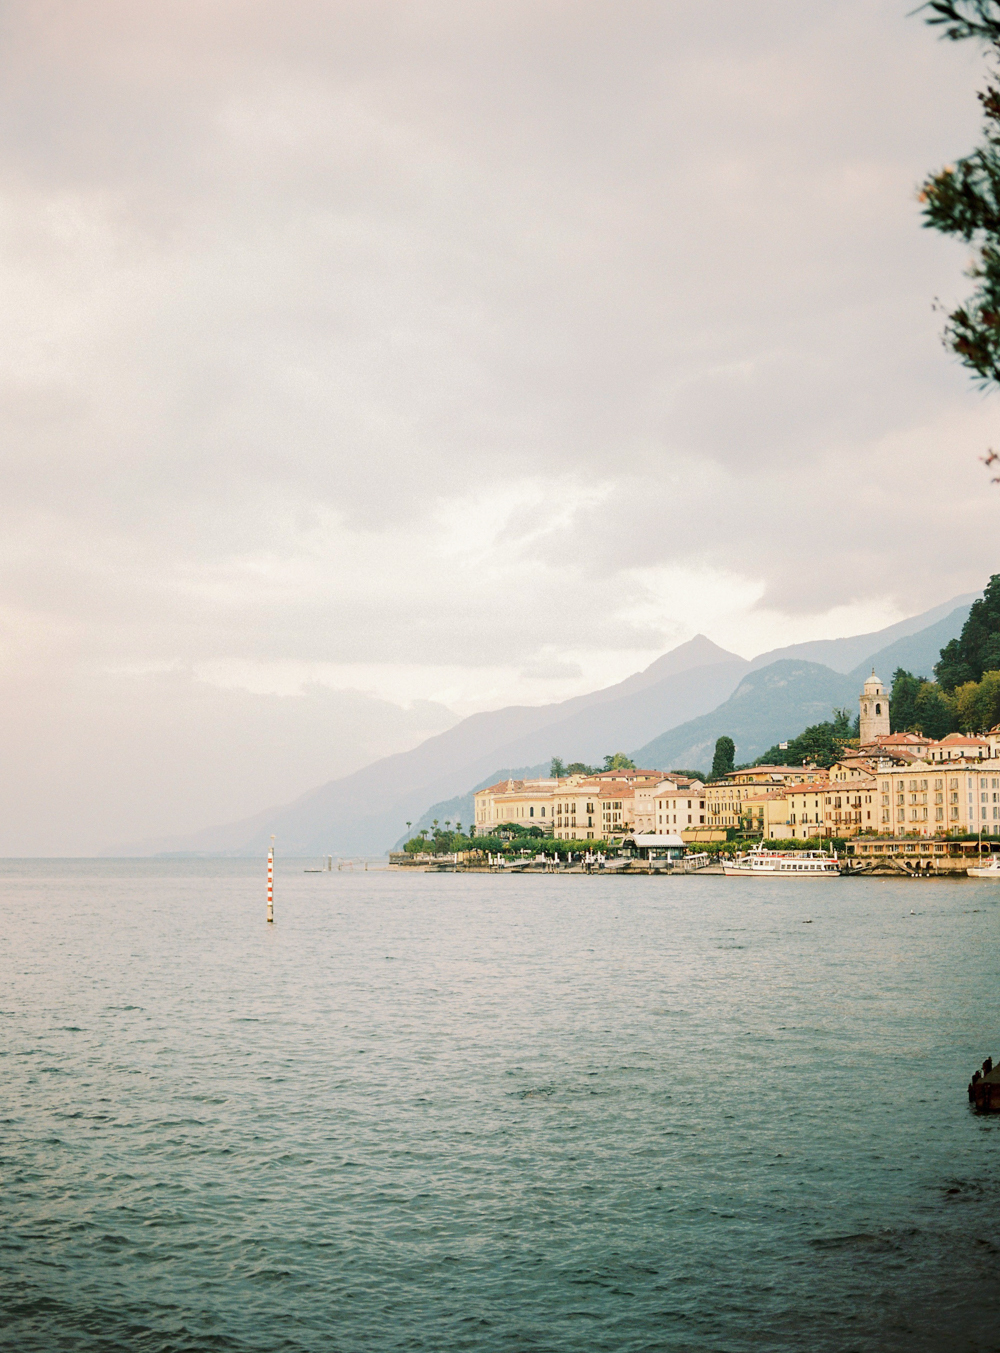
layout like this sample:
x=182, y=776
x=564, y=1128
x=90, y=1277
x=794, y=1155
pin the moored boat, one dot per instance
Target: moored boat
x=986, y=871
x=759, y=862
x=984, y=1088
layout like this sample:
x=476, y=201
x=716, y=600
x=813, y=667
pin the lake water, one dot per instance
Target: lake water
x=478, y=1113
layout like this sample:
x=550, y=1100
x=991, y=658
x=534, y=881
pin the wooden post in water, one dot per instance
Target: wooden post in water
x=270, y=884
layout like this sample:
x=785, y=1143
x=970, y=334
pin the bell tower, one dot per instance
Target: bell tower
x=874, y=704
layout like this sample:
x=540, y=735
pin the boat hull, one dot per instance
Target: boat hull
x=734, y=871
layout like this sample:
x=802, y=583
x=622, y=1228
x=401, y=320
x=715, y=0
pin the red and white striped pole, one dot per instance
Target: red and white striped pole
x=270, y=884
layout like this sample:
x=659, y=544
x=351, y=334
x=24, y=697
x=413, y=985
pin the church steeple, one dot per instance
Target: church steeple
x=874, y=705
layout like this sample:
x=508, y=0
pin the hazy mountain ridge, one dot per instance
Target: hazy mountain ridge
x=670, y=712
x=771, y=704
x=844, y=655
x=363, y=812
x=775, y=703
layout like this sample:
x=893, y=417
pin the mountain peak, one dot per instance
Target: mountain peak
x=697, y=652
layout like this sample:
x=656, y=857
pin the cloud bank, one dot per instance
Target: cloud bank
x=457, y=353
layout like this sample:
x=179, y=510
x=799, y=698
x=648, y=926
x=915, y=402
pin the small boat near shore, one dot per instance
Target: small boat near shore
x=985, y=871
x=759, y=862
x=984, y=1088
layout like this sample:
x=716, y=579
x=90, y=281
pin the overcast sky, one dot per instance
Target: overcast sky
x=364, y=354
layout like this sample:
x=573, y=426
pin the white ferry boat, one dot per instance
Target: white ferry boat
x=799, y=864
x=986, y=871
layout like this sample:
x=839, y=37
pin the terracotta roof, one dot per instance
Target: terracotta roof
x=500, y=786
x=899, y=740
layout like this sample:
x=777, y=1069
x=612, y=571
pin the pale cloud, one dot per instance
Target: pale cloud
x=470, y=353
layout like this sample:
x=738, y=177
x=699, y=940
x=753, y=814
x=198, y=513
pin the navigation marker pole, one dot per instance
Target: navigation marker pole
x=270, y=884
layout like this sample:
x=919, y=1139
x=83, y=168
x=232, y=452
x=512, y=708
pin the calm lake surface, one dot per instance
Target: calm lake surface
x=480, y=1113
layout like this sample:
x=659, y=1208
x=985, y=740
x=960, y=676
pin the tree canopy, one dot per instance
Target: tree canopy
x=903, y=701
x=618, y=761
x=724, y=759
x=965, y=18
x=820, y=743
x=963, y=200
x=977, y=648
x=558, y=771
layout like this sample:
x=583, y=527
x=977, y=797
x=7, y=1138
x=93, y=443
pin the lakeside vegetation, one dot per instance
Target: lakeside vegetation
x=508, y=839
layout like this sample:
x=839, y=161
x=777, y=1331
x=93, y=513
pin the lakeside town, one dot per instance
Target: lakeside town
x=893, y=794
x=892, y=784
x=923, y=776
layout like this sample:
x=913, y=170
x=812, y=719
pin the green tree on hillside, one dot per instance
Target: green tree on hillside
x=821, y=743
x=977, y=704
x=920, y=706
x=580, y=768
x=935, y=712
x=724, y=760
x=619, y=761
x=903, y=701
x=557, y=770
x=977, y=649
